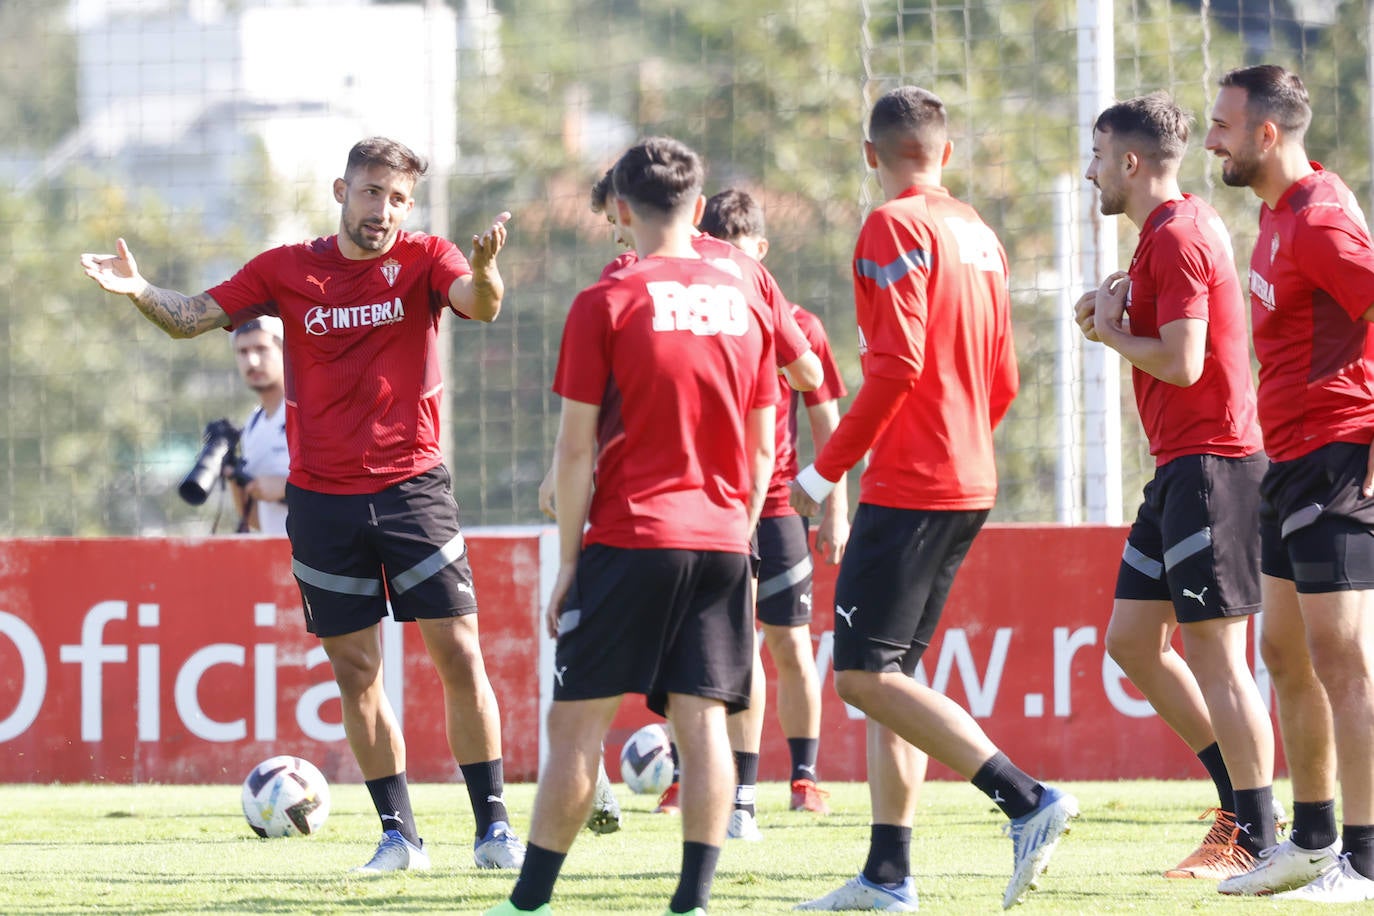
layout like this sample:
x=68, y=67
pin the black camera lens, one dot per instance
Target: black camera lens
x=220, y=439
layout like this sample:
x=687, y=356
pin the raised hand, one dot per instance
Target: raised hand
x=116, y=273
x=486, y=246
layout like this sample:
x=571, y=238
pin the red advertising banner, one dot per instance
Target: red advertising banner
x=149, y=660
x=182, y=661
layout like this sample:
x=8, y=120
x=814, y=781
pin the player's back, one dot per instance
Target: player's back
x=685, y=349
x=789, y=341
x=933, y=305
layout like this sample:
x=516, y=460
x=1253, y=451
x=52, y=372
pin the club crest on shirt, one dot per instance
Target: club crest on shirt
x=391, y=269
x=1274, y=248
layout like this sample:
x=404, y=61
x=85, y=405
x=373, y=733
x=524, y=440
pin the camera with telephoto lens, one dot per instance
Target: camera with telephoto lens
x=219, y=450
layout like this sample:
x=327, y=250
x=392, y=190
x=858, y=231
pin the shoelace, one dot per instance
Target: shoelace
x=1222, y=831
x=1228, y=855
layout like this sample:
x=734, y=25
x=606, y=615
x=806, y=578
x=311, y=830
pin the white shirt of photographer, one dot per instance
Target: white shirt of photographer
x=263, y=446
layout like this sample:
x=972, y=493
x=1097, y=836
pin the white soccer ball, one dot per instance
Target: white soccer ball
x=646, y=761
x=285, y=796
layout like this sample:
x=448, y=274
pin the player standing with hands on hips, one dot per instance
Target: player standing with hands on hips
x=939, y=373
x=371, y=513
x=1311, y=307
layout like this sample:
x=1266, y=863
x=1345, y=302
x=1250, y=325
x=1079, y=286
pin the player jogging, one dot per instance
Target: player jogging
x=939, y=367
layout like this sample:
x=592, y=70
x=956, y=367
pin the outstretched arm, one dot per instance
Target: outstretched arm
x=177, y=314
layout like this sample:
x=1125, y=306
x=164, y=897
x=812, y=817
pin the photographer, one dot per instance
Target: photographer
x=258, y=481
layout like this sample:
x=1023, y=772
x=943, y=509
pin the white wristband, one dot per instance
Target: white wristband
x=816, y=486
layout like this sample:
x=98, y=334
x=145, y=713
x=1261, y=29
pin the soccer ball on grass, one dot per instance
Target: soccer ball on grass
x=285, y=796
x=646, y=761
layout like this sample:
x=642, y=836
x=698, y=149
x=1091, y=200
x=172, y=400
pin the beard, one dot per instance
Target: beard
x=1239, y=172
x=1111, y=204
x=367, y=242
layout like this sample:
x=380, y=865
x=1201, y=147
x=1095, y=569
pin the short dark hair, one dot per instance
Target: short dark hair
x=601, y=190
x=732, y=215
x=908, y=123
x=660, y=174
x=386, y=152
x=269, y=324
x=1272, y=94
x=1154, y=120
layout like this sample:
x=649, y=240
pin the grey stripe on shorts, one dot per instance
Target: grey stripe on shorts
x=1141, y=563
x=1300, y=518
x=430, y=565
x=785, y=579
x=1196, y=542
x=343, y=585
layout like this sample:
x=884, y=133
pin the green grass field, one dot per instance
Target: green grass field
x=186, y=849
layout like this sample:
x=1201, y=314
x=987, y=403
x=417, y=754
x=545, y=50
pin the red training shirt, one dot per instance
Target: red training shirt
x=1183, y=267
x=1311, y=280
x=362, y=372
x=785, y=463
x=789, y=342
x=934, y=315
x=686, y=351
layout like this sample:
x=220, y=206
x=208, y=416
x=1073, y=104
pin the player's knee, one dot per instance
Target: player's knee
x=1341, y=666
x=1284, y=660
x=854, y=687
x=1128, y=651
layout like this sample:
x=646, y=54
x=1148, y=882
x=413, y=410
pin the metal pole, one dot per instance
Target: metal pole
x=1068, y=476
x=1101, y=365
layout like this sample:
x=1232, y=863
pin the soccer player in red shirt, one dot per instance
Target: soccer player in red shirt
x=783, y=598
x=1191, y=561
x=801, y=369
x=653, y=597
x=1311, y=304
x=371, y=513
x=939, y=367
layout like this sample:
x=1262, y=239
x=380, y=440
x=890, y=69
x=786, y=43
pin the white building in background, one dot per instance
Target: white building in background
x=186, y=98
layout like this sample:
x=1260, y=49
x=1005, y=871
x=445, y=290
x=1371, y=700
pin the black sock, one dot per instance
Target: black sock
x=1314, y=824
x=1255, y=818
x=534, y=887
x=804, y=752
x=746, y=781
x=889, y=854
x=1009, y=788
x=677, y=765
x=486, y=783
x=1357, y=841
x=1216, y=768
x=694, y=883
x=391, y=798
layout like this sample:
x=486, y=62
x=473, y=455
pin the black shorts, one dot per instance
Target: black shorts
x=1316, y=528
x=895, y=576
x=1193, y=542
x=784, y=595
x=657, y=622
x=350, y=553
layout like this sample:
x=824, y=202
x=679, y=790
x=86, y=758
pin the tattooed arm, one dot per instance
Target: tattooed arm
x=176, y=314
